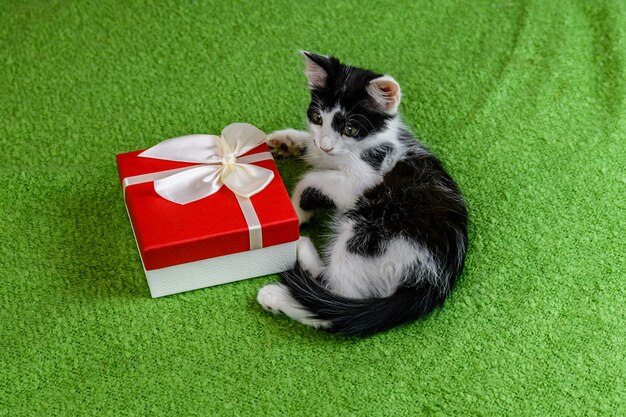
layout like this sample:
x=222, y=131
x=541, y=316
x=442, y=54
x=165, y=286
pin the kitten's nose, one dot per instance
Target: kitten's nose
x=326, y=144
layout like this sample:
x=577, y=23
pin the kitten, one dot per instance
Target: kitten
x=400, y=223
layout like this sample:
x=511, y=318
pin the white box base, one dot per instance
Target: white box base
x=220, y=270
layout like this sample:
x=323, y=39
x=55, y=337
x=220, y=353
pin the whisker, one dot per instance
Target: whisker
x=317, y=101
x=360, y=116
x=361, y=124
x=350, y=111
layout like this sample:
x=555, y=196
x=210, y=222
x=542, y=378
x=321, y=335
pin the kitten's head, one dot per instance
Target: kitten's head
x=348, y=104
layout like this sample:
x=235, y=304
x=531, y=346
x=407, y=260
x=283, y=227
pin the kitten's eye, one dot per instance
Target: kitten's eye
x=316, y=118
x=350, y=131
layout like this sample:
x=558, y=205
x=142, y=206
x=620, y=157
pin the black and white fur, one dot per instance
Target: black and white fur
x=400, y=223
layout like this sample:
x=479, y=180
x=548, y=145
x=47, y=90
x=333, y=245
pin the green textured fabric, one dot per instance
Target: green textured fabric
x=523, y=101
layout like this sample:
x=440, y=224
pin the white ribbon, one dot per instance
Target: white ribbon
x=218, y=163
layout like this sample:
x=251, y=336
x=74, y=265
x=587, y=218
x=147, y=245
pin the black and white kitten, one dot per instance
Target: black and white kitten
x=400, y=223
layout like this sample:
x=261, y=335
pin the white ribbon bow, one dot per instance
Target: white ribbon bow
x=220, y=164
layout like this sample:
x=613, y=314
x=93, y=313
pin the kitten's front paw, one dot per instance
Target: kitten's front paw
x=284, y=143
x=303, y=215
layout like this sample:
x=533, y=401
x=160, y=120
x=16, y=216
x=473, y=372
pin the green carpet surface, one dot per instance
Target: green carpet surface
x=523, y=101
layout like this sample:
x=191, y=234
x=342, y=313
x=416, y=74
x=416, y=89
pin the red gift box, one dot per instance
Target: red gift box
x=170, y=234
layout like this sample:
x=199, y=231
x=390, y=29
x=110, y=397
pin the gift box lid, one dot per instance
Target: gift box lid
x=170, y=234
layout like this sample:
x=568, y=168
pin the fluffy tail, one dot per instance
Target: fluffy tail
x=360, y=317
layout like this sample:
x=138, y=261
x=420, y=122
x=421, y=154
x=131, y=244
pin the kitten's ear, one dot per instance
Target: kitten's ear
x=316, y=70
x=386, y=93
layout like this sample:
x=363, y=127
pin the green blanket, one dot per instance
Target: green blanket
x=523, y=101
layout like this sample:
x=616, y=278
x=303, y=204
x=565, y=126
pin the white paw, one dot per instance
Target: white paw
x=308, y=258
x=280, y=137
x=303, y=246
x=305, y=252
x=303, y=216
x=272, y=297
x=284, y=142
